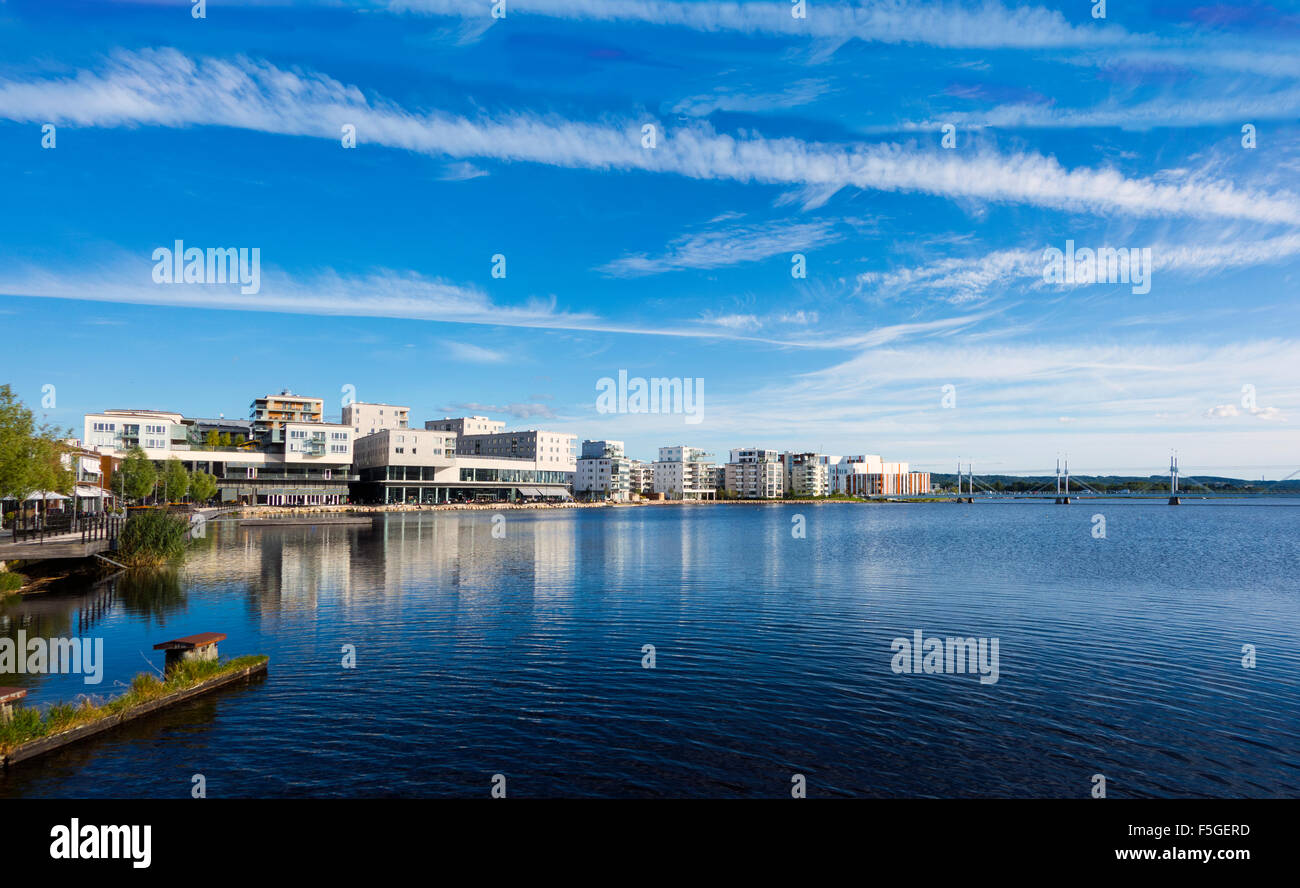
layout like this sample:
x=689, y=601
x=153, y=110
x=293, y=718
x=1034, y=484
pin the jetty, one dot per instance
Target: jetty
x=192, y=671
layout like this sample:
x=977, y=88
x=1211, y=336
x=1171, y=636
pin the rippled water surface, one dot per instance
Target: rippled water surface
x=523, y=656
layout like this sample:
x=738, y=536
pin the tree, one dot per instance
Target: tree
x=212, y=439
x=175, y=480
x=240, y=440
x=203, y=486
x=29, y=454
x=225, y=439
x=138, y=474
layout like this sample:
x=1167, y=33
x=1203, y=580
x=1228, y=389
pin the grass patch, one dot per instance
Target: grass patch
x=151, y=537
x=11, y=582
x=32, y=724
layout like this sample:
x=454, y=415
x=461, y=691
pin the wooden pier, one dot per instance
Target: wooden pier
x=44, y=745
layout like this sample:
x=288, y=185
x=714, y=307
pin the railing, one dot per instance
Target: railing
x=102, y=526
x=96, y=526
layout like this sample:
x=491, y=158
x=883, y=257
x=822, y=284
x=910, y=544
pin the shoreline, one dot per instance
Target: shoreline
x=253, y=512
x=256, y=512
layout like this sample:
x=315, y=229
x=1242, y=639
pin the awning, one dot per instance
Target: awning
x=529, y=491
x=45, y=495
x=86, y=492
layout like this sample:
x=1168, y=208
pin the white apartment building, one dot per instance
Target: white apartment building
x=806, y=474
x=554, y=451
x=421, y=466
x=754, y=473
x=603, y=472
x=466, y=425
x=684, y=473
x=641, y=476
x=311, y=464
x=366, y=419
x=154, y=431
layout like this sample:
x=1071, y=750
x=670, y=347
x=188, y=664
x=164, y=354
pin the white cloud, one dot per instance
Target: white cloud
x=166, y=88
x=1230, y=411
x=802, y=92
x=989, y=24
x=962, y=279
x=728, y=246
x=474, y=354
x=404, y=294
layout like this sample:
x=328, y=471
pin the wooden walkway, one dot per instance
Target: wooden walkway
x=64, y=545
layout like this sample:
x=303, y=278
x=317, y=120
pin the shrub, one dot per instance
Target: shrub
x=11, y=582
x=152, y=536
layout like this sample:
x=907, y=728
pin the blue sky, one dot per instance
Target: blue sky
x=775, y=135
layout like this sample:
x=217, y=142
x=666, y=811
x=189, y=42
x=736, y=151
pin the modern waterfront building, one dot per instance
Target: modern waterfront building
x=554, y=451
x=841, y=468
x=466, y=425
x=684, y=473
x=238, y=430
x=895, y=480
x=806, y=474
x=366, y=419
x=310, y=464
x=422, y=466
x=270, y=414
x=641, y=477
x=150, y=430
x=603, y=472
x=869, y=475
x=754, y=473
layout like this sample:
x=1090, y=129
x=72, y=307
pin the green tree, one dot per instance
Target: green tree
x=30, y=455
x=240, y=440
x=225, y=439
x=138, y=474
x=203, y=486
x=212, y=439
x=175, y=480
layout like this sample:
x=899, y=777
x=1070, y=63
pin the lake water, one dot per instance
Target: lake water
x=523, y=655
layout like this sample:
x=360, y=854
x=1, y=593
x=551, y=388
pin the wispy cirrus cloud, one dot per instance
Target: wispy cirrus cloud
x=391, y=293
x=726, y=246
x=1168, y=110
x=986, y=24
x=474, y=354
x=963, y=279
x=167, y=88
x=802, y=92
